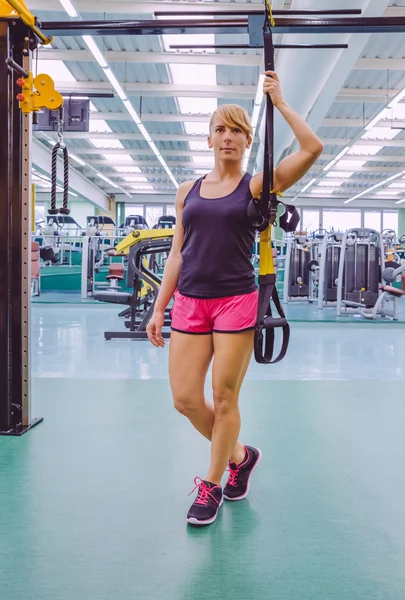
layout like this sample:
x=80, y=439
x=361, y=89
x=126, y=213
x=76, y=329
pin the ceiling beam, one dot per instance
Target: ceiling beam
x=85, y=135
x=383, y=143
x=206, y=58
x=135, y=152
x=212, y=91
x=124, y=7
x=210, y=58
x=328, y=122
x=380, y=64
x=163, y=89
x=147, y=7
x=151, y=117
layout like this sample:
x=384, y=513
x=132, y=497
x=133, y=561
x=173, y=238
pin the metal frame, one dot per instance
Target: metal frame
x=227, y=26
x=15, y=233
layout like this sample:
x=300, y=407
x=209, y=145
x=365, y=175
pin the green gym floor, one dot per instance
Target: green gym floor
x=93, y=501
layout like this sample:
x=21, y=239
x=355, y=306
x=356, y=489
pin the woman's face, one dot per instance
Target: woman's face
x=228, y=143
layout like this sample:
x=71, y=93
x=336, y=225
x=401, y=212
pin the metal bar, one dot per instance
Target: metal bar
x=247, y=47
x=5, y=405
x=29, y=19
x=15, y=211
x=225, y=26
x=276, y=13
x=13, y=65
x=25, y=200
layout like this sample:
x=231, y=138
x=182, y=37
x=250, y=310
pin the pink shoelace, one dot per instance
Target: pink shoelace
x=203, y=492
x=233, y=475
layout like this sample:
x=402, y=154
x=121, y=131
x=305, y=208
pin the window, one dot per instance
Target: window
x=310, y=220
x=136, y=209
x=171, y=210
x=341, y=220
x=372, y=220
x=152, y=215
x=390, y=220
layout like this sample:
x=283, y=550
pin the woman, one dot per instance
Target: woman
x=209, y=271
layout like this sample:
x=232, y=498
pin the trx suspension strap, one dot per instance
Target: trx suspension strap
x=63, y=210
x=263, y=212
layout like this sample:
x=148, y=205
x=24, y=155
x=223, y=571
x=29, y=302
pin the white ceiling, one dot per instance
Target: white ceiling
x=152, y=139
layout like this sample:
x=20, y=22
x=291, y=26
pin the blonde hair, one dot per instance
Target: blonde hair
x=233, y=115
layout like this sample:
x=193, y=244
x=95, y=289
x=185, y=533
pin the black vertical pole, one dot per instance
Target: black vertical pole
x=15, y=249
x=5, y=176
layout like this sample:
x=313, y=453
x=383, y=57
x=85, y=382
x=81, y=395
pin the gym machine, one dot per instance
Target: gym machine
x=301, y=275
x=146, y=286
x=329, y=269
x=360, y=270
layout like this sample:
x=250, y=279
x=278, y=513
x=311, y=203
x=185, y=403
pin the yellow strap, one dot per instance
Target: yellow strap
x=266, y=247
x=272, y=21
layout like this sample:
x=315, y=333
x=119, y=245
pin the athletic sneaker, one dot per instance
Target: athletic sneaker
x=237, y=486
x=205, y=507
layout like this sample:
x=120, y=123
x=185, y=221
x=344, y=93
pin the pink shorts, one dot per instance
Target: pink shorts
x=232, y=314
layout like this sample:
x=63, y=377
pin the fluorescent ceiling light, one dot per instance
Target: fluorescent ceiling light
x=194, y=106
x=128, y=169
x=94, y=49
x=374, y=187
x=383, y=114
x=132, y=111
x=400, y=201
x=77, y=159
x=142, y=187
x=114, y=82
x=186, y=74
x=340, y=174
x=198, y=146
x=361, y=150
x=203, y=160
x=388, y=192
x=308, y=185
x=353, y=164
x=144, y=132
x=397, y=98
x=397, y=185
x=330, y=184
x=192, y=128
x=69, y=8
x=118, y=158
x=134, y=178
x=107, y=180
x=380, y=133
x=330, y=165
x=105, y=144
x=157, y=153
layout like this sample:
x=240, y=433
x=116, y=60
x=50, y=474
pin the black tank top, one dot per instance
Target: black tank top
x=218, y=244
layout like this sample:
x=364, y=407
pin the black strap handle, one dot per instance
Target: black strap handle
x=63, y=210
x=263, y=212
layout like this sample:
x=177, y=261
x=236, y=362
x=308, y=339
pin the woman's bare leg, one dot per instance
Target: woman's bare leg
x=189, y=359
x=232, y=354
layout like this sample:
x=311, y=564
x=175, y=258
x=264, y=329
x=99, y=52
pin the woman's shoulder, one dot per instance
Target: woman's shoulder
x=184, y=189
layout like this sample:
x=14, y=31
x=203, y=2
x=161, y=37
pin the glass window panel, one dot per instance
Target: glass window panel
x=390, y=220
x=310, y=220
x=372, y=220
x=341, y=220
x=171, y=210
x=152, y=214
x=134, y=209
